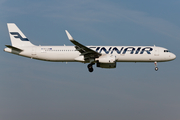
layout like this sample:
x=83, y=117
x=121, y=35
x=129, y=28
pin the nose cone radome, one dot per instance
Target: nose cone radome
x=173, y=56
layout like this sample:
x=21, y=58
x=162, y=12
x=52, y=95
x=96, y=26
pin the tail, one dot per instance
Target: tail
x=18, y=39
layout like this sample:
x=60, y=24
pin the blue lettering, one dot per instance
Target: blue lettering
x=131, y=51
x=118, y=51
x=97, y=49
x=123, y=50
x=104, y=49
x=147, y=49
x=137, y=51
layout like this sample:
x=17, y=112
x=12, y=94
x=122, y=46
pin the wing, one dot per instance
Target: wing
x=87, y=52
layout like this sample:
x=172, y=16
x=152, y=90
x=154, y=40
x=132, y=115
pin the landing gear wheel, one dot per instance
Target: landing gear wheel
x=156, y=68
x=90, y=68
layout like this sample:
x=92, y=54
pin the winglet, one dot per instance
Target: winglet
x=69, y=36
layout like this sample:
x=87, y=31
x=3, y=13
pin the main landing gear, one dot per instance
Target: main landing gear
x=90, y=67
x=156, y=68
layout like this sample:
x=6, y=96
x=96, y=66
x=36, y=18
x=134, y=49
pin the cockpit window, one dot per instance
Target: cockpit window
x=166, y=50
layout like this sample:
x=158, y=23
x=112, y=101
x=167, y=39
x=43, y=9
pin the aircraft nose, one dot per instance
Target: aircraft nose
x=173, y=56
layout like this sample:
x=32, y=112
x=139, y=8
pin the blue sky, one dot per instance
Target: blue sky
x=32, y=89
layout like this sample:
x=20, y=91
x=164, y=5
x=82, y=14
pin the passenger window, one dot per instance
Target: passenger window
x=166, y=51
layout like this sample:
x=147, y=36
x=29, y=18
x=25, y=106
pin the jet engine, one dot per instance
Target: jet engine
x=106, y=61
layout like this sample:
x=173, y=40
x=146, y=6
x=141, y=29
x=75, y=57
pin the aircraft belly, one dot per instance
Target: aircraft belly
x=140, y=58
x=66, y=57
x=134, y=58
x=57, y=57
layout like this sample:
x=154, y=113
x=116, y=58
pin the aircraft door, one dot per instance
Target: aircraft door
x=33, y=54
x=156, y=51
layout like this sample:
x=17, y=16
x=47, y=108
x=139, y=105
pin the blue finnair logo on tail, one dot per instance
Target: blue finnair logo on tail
x=17, y=35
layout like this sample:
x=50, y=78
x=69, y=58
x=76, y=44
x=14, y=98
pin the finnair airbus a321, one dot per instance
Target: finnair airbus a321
x=102, y=56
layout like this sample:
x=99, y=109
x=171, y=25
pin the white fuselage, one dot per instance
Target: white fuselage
x=122, y=53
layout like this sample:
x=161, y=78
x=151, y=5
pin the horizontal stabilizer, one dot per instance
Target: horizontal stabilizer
x=14, y=48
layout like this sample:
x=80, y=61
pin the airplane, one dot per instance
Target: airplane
x=102, y=56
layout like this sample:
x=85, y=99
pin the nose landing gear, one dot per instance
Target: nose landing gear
x=90, y=67
x=156, y=68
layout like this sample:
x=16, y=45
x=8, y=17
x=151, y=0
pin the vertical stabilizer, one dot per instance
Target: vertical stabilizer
x=17, y=37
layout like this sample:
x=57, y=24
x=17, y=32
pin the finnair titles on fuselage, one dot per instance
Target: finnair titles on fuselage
x=102, y=56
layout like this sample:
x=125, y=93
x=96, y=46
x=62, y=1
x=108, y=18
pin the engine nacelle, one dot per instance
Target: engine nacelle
x=106, y=61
